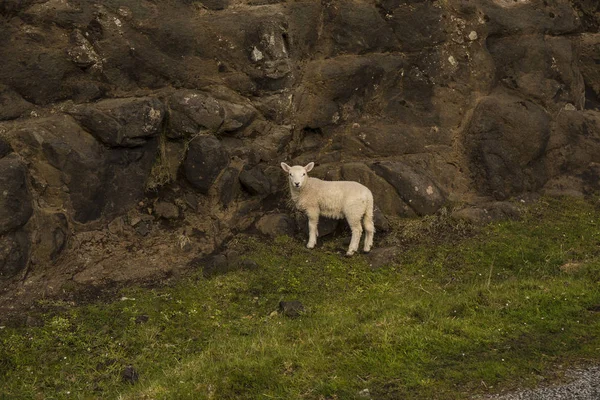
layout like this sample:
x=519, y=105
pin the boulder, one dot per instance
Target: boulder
x=193, y=111
x=12, y=105
x=122, y=122
x=98, y=181
x=414, y=187
x=255, y=182
x=204, y=161
x=34, y=63
x=291, y=309
x=488, y=212
x=276, y=225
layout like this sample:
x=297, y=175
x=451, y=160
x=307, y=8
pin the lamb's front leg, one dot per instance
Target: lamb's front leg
x=313, y=222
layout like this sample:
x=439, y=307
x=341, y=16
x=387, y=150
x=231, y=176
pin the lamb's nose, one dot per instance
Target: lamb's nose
x=297, y=184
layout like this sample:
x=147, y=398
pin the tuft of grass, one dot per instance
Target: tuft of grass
x=466, y=314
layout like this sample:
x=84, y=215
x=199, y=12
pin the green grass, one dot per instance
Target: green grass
x=461, y=311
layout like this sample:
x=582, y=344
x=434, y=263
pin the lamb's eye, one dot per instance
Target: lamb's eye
x=303, y=174
x=290, y=174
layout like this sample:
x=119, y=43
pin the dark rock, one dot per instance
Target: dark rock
x=194, y=111
x=505, y=138
x=204, y=161
x=255, y=181
x=574, y=142
x=249, y=264
x=325, y=227
x=589, y=47
x=14, y=253
x=216, y=4
x=236, y=116
x=166, y=210
x=489, y=212
x=276, y=225
x=122, y=122
x=142, y=319
x=291, y=309
x=12, y=105
x=556, y=17
x=541, y=67
x=214, y=265
x=380, y=222
x=130, y=375
x=357, y=28
x=144, y=227
x=5, y=148
x=380, y=257
x=264, y=2
x=127, y=172
x=34, y=63
x=15, y=198
x=78, y=157
x=33, y=321
x=416, y=25
x=329, y=84
x=229, y=186
x=271, y=143
x=415, y=188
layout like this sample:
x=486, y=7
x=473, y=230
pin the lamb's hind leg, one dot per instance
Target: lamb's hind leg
x=357, y=229
x=369, y=232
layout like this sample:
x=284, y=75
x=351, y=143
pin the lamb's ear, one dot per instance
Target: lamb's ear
x=285, y=167
x=309, y=166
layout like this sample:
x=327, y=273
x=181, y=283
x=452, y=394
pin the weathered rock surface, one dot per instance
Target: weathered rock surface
x=15, y=198
x=14, y=249
x=276, y=225
x=121, y=122
x=506, y=137
x=417, y=190
x=108, y=110
x=204, y=161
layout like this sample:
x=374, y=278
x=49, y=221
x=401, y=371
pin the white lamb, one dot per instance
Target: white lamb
x=333, y=199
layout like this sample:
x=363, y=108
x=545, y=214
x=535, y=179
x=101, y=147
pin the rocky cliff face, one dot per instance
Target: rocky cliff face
x=136, y=135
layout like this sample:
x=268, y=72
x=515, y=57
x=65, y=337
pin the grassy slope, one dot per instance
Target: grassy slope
x=448, y=318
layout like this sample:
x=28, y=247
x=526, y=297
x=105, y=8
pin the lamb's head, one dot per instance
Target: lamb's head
x=297, y=175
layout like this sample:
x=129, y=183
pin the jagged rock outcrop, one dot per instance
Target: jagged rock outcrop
x=107, y=111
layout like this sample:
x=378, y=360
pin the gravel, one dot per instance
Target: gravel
x=584, y=385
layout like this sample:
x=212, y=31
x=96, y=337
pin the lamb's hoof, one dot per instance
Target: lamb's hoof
x=349, y=253
x=310, y=246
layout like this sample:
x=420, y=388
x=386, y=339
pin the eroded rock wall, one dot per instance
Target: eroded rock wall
x=135, y=135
